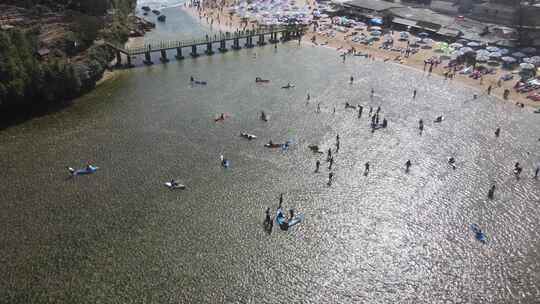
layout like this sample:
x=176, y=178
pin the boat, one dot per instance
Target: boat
x=199, y=82
x=175, y=186
x=288, y=86
x=537, y=111
x=259, y=80
x=478, y=234
x=145, y=13
x=248, y=136
x=349, y=106
x=272, y=145
x=156, y=12
x=161, y=18
x=439, y=119
x=88, y=170
x=285, y=223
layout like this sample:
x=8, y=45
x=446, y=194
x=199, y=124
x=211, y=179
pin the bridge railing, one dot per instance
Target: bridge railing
x=171, y=44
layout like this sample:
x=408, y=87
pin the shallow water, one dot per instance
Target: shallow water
x=120, y=236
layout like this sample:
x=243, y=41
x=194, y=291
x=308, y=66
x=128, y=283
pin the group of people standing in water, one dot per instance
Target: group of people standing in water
x=375, y=119
x=374, y=116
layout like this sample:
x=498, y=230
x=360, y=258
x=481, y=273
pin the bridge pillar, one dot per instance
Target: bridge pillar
x=194, y=51
x=179, y=53
x=222, y=46
x=236, y=43
x=118, y=58
x=147, y=58
x=285, y=35
x=261, y=40
x=249, y=42
x=273, y=37
x=209, y=49
x=164, y=58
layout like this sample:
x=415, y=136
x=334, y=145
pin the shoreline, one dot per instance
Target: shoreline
x=340, y=43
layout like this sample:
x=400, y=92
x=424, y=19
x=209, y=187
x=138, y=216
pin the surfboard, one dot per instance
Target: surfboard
x=178, y=186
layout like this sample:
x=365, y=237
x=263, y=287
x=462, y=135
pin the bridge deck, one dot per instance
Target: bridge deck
x=168, y=45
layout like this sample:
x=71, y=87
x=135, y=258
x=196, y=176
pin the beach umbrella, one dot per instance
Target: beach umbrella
x=504, y=51
x=535, y=60
x=526, y=66
x=482, y=58
x=473, y=44
x=528, y=50
x=492, y=49
x=466, y=50
x=518, y=55
x=508, y=59
x=456, y=46
x=376, y=21
x=482, y=52
x=495, y=55
x=441, y=46
x=423, y=35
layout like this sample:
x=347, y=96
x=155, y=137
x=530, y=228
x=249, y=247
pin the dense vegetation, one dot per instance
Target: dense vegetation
x=72, y=67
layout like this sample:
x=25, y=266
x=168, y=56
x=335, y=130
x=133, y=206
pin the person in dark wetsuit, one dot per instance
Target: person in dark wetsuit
x=360, y=109
x=384, y=123
x=452, y=162
x=497, y=132
x=414, y=94
x=329, y=154
x=408, y=165
x=280, y=200
x=352, y=79
x=421, y=125
x=517, y=170
x=536, y=172
x=291, y=214
x=317, y=165
x=366, y=170
x=331, y=163
x=268, y=219
x=491, y=192
x=330, y=177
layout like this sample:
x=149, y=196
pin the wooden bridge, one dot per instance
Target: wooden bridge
x=285, y=33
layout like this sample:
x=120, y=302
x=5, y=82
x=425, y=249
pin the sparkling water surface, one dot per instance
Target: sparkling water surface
x=120, y=236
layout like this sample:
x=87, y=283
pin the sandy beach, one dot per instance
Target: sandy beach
x=215, y=14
